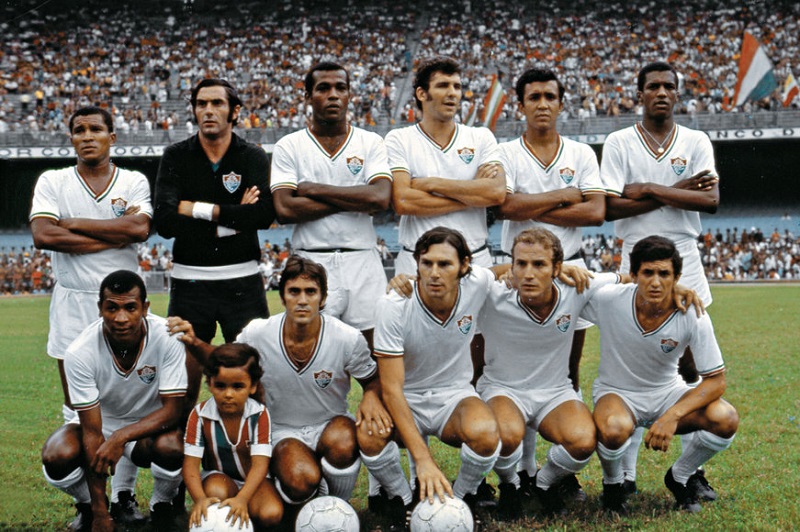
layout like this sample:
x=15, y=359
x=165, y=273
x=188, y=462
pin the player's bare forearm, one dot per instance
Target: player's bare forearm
x=519, y=206
x=258, y=472
x=590, y=211
x=392, y=377
x=409, y=200
x=371, y=411
x=617, y=208
x=126, y=229
x=47, y=234
x=158, y=421
x=483, y=192
x=192, y=478
x=291, y=208
x=688, y=200
x=374, y=197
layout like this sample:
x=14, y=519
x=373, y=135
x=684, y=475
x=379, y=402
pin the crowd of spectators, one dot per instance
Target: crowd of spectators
x=25, y=271
x=141, y=59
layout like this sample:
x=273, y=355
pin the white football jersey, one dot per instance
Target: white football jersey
x=575, y=165
x=125, y=397
x=360, y=160
x=436, y=353
x=315, y=393
x=63, y=194
x=529, y=352
x=412, y=150
x=637, y=360
x=627, y=158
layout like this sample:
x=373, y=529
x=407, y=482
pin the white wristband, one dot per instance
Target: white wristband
x=203, y=211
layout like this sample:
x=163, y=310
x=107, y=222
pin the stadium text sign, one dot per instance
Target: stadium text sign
x=718, y=135
x=68, y=152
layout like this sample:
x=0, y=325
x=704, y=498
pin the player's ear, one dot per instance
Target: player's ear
x=112, y=138
x=639, y=97
x=557, y=269
x=145, y=307
x=235, y=113
x=422, y=94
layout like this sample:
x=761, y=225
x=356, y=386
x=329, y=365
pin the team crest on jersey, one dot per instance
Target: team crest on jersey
x=355, y=164
x=118, y=206
x=466, y=154
x=465, y=324
x=232, y=182
x=567, y=175
x=147, y=374
x=668, y=345
x=678, y=165
x=563, y=322
x=323, y=378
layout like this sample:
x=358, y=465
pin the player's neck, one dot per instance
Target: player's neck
x=543, y=143
x=215, y=147
x=300, y=340
x=330, y=134
x=651, y=314
x=126, y=353
x=96, y=175
x=658, y=126
x=441, y=307
x=543, y=305
x=440, y=131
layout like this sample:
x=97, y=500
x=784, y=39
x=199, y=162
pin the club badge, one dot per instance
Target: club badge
x=355, y=164
x=465, y=324
x=678, y=165
x=466, y=155
x=567, y=175
x=323, y=378
x=563, y=322
x=668, y=345
x=118, y=206
x=232, y=182
x=147, y=374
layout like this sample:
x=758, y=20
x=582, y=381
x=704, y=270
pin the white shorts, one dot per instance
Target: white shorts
x=647, y=406
x=71, y=311
x=432, y=409
x=309, y=434
x=692, y=274
x=533, y=404
x=405, y=263
x=356, y=281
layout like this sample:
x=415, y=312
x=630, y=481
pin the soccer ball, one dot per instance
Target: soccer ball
x=327, y=514
x=215, y=522
x=452, y=515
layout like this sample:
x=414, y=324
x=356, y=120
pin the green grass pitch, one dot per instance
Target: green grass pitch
x=758, y=478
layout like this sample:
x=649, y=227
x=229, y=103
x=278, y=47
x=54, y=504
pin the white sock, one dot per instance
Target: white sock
x=165, y=484
x=611, y=461
x=506, y=466
x=322, y=488
x=528, y=461
x=629, y=460
x=412, y=468
x=559, y=465
x=124, y=478
x=474, y=468
x=73, y=484
x=386, y=468
x=341, y=481
x=374, y=487
x=702, y=447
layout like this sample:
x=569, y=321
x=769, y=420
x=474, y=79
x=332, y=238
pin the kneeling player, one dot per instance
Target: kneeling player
x=127, y=379
x=642, y=336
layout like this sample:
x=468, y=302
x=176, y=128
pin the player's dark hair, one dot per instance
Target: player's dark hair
x=658, y=66
x=89, y=111
x=230, y=92
x=235, y=355
x=428, y=68
x=653, y=248
x=297, y=266
x=537, y=74
x=122, y=282
x=443, y=235
x=324, y=66
x=542, y=236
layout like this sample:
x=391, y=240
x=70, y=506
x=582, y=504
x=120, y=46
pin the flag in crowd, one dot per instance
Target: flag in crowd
x=493, y=104
x=756, y=79
x=790, y=89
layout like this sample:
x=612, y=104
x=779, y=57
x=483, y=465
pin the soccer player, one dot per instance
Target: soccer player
x=422, y=344
x=309, y=358
x=212, y=196
x=658, y=177
x=551, y=182
x=328, y=179
x=445, y=173
x=90, y=216
x=642, y=336
x=127, y=380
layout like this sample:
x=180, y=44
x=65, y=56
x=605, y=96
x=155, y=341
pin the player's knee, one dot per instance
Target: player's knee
x=61, y=453
x=614, y=431
x=220, y=486
x=582, y=447
x=482, y=436
x=726, y=419
x=338, y=442
x=266, y=513
x=511, y=435
x=167, y=450
x=300, y=480
x=372, y=444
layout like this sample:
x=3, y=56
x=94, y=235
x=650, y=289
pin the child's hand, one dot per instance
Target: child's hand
x=199, y=511
x=238, y=510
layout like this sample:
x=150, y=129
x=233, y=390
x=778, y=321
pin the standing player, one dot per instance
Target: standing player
x=645, y=171
x=328, y=179
x=212, y=196
x=642, y=336
x=90, y=215
x=127, y=380
x=445, y=173
x=309, y=359
x=422, y=345
x=552, y=182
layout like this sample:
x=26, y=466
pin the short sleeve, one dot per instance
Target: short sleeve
x=396, y=152
x=45, y=197
x=359, y=363
x=283, y=173
x=707, y=355
x=83, y=391
x=612, y=167
x=172, y=380
x=489, y=150
x=377, y=160
x=140, y=195
x=193, y=441
x=389, y=337
x=589, y=179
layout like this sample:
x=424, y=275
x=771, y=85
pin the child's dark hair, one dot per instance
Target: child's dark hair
x=235, y=355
